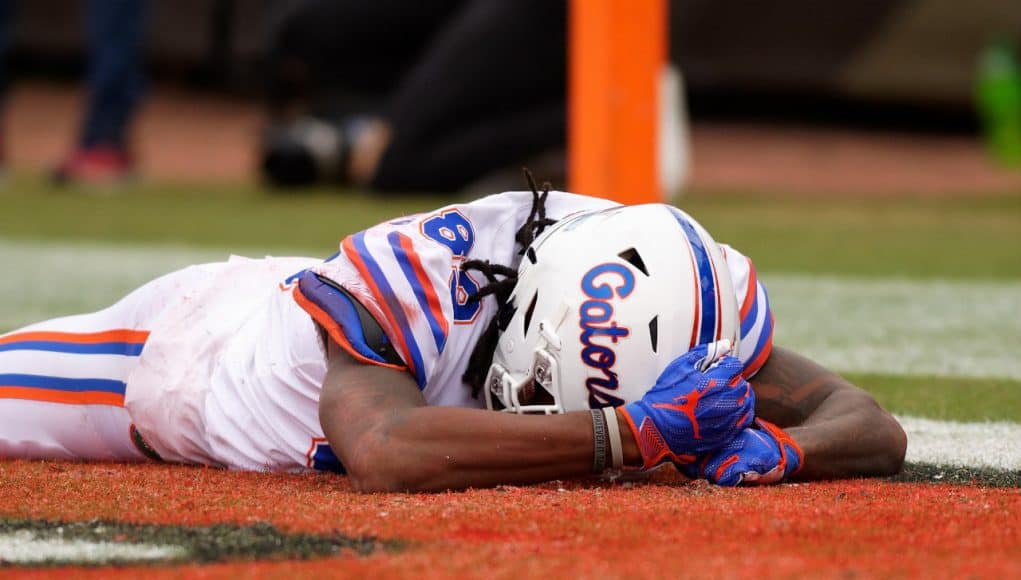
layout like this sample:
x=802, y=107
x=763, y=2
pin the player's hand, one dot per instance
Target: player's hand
x=699, y=404
x=760, y=455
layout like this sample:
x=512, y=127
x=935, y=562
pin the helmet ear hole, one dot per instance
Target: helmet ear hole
x=528, y=314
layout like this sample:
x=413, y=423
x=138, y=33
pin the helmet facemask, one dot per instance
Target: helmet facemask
x=537, y=391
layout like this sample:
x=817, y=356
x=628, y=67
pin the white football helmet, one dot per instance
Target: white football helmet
x=604, y=301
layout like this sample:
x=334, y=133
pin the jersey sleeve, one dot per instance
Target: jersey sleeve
x=406, y=273
x=754, y=312
x=402, y=276
x=345, y=319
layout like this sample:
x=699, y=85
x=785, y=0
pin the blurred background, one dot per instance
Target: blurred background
x=866, y=155
x=878, y=96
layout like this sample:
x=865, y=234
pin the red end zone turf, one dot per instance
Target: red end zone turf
x=670, y=528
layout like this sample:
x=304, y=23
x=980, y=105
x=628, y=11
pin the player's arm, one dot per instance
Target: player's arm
x=379, y=426
x=840, y=428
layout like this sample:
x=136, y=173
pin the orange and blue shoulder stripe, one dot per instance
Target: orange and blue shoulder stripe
x=354, y=247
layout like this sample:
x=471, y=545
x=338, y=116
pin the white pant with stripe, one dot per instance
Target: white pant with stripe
x=62, y=381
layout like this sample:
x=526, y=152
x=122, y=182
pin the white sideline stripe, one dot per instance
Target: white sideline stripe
x=43, y=280
x=25, y=547
x=968, y=329
x=964, y=329
x=991, y=444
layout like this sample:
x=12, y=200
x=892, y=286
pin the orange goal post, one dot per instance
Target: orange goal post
x=617, y=84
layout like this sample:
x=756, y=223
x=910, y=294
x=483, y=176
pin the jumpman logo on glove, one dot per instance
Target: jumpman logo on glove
x=699, y=404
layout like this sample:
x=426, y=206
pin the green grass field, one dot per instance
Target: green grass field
x=963, y=250
x=913, y=238
x=916, y=300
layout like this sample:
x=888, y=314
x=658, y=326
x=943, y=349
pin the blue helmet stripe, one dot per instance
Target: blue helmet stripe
x=706, y=280
x=749, y=320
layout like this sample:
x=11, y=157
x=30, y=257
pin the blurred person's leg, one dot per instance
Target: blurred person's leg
x=115, y=88
x=330, y=65
x=493, y=150
x=341, y=57
x=116, y=79
x=489, y=93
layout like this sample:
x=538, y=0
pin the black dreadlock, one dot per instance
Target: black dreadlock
x=482, y=355
x=537, y=220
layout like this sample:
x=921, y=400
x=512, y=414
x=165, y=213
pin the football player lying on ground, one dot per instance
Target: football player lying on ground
x=612, y=337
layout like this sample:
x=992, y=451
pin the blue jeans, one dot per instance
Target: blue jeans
x=115, y=78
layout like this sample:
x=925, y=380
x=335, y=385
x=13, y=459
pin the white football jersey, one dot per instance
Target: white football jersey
x=231, y=373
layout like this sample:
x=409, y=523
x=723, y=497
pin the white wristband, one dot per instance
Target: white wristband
x=613, y=434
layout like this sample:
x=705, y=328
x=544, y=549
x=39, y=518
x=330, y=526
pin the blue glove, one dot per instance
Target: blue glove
x=699, y=404
x=760, y=455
